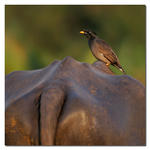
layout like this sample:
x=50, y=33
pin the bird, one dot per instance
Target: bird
x=101, y=50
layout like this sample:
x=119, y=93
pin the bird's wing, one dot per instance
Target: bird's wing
x=106, y=50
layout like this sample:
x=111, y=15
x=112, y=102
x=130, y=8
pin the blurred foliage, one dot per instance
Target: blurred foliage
x=37, y=35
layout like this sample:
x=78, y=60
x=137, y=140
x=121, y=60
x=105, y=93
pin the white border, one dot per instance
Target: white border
x=75, y=2
x=148, y=71
x=2, y=75
x=71, y=2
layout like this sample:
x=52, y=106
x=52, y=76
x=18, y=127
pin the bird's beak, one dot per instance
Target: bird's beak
x=82, y=32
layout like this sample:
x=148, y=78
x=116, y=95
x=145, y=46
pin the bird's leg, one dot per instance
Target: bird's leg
x=107, y=64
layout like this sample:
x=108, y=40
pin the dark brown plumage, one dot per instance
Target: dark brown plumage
x=101, y=50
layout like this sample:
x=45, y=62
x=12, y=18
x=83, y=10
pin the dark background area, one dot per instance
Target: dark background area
x=35, y=36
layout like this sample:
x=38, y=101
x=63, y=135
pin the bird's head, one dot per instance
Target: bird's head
x=89, y=34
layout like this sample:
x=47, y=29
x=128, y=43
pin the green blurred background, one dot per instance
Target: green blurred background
x=35, y=35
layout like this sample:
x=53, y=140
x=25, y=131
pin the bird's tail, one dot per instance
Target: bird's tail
x=120, y=68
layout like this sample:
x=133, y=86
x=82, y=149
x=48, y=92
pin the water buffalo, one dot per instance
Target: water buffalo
x=74, y=103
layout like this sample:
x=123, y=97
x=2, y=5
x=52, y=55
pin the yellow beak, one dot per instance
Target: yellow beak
x=82, y=32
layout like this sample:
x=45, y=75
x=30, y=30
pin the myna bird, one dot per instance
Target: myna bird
x=101, y=50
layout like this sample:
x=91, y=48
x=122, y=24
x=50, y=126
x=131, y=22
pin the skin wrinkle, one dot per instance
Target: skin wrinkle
x=54, y=96
x=37, y=85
